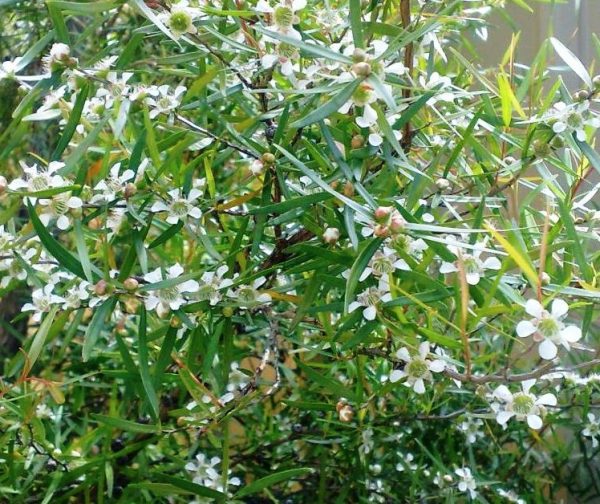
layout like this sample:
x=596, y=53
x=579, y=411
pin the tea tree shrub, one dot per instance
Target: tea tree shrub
x=297, y=251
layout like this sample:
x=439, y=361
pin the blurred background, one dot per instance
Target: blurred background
x=573, y=22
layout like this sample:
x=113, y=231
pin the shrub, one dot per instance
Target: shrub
x=293, y=252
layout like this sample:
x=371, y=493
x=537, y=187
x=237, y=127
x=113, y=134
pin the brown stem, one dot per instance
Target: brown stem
x=409, y=64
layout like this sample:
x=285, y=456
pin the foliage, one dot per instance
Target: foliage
x=293, y=252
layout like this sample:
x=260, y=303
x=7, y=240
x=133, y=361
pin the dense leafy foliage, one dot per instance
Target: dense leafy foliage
x=294, y=251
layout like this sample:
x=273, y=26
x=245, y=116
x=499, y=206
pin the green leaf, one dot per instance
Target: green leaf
x=71, y=126
x=188, y=486
x=54, y=248
x=272, y=479
x=357, y=269
x=331, y=106
x=572, y=61
x=592, y=156
x=356, y=23
x=58, y=20
x=284, y=206
x=330, y=384
x=323, y=185
x=153, y=18
x=315, y=50
x=96, y=325
x=82, y=250
x=40, y=338
x=144, y=370
x=125, y=425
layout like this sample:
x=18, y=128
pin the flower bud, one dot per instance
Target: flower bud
x=541, y=148
x=581, y=95
x=130, y=190
x=359, y=55
x=331, y=235
x=557, y=143
x=443, y=184
x=131, y=284
x=348, y=189
x=346, y=413
x=131, y=305
x=381, y=231
x=101, y=288
x=362, y=69
x=268, y=159
x=382, y=214
x=95, y=223
x=545, y=278
x=397, y=223
x=3, y=184
x=175, y=322
x=228, y=311
x=357, y=141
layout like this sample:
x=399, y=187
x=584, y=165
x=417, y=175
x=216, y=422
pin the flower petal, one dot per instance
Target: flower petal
x=547, y=350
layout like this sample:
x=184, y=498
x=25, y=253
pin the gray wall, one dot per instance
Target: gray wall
x=572, y=22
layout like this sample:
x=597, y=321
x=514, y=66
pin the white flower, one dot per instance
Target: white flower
x=410, y=246
x=417, y=369
x=39, y=179
x=41, y=302
x=204, y=470
x=76, y=294
x=510, y=496
x=592, y=429
x=168, y=298
x=331, y=235
x=8, y=69
x=283, y=16
x=165, y=102
x=362, y=97
x=467, y=481
x=178, y=206
x=59, y=207
x=284, y=55
x=472, y=429
x=548, y=327
x=180, y=19
x=382, y=263
x=523, y=405
x=249, y=295
x=59, y=57
x=370, y=299
x=572, y=118
x=406, y=462
x=443, y=85
x=473, y=266
x=112, y=185
x=211, y=283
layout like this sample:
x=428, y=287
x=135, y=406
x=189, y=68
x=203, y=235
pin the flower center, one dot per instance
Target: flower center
x=362, y=95
x=370, y=298
x=205, y=292
x=522, y=403
x=417, y=368
x=59, y=204
x=575, y=120
x=471, y=264
x=247, y=295
x=549, y=327
x=39, y=183
x=283, y=16
x=180, y=21
x=169, y=294
x=381, y=264
x=179, y=208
